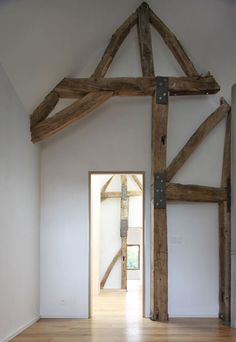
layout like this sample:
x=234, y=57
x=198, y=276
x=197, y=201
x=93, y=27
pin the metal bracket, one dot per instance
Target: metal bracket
x=123, y=228
x=159, y=191
x=162, y=90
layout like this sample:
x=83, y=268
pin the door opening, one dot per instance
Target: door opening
x=116, y=243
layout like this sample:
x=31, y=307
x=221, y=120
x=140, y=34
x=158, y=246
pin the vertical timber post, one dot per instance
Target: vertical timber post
x=124, y=210
x=225, y=231
x=159, y=218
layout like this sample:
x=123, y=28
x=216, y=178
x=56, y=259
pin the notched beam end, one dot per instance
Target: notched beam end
x=44, y=109
x=195, y=85
x=223, y=102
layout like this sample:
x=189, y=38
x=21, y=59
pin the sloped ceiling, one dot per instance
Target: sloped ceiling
x=43, y=41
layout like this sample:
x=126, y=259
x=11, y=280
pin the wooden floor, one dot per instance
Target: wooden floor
x=117, y=318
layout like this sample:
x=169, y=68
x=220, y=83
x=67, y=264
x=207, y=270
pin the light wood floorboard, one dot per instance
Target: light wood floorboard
x=117, y=318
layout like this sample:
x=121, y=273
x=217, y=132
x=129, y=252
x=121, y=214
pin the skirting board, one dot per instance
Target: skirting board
x=194, y=316
x=63, y=317
x=19, y=330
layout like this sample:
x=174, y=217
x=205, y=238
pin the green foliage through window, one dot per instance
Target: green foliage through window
x=133, y=257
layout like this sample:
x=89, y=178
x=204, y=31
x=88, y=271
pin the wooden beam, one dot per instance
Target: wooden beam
x=124, y=216
x=200, y=85
x=136, y=86
x=69, y=115
x=117, y=194
x=196, y=139
x=225, y=231
x=174, y=45
x=121, y=86
x=109, y=269
x=116, y=40
x=194, y=193
x=105, y=186
x=145, y=43
x=159, y=305
x=44, y=109
x=137, y=182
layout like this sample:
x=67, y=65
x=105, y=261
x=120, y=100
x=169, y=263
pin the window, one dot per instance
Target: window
x=133, y=257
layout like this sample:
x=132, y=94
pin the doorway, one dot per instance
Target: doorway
x=116, y=243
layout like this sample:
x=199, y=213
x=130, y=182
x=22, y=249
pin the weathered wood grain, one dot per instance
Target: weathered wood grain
x=105, y=186
x=196, y=139
x=117, y=194
x=159, y=305
x=200, y=85
x=135, y=86
x=109, y=269
x=116, y=40
x=225, y=231
x=124, y=215
x=44, y=109
x=174, y=45
x=69, y=115
x=145, y=41
x=137, y=182
x=195, y=193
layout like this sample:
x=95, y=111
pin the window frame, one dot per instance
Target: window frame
x=134, y=245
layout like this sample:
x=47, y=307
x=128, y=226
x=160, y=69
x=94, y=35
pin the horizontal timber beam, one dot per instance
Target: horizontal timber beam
x=117, y=194
x=194, y=193
x=136, y=86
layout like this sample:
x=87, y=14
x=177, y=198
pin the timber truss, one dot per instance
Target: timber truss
x=90, y=93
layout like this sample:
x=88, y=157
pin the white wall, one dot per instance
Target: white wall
x=135, y=237
x=117, y=137
x=19, y=216
x=95, y=237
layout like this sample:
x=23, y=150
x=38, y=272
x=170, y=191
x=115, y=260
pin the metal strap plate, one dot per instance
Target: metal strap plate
x=162, y=90
x=159, y=191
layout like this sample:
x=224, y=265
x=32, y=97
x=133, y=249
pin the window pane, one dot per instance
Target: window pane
x=133, y=257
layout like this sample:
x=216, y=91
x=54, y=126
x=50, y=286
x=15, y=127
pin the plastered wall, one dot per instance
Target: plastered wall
x=19, y=216
x=59, y=39
x=117, y=137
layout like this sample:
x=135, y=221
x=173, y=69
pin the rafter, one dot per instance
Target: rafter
x=116, y=40
x=196, y=139
x=68, y=115
x=137, y=182
x=41, y=127
x=174, y=45
x=44, y=109
x=145, y=41
x=105, y=186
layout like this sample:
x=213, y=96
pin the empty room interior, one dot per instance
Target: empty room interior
x=117, y=171
x=116, y=244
